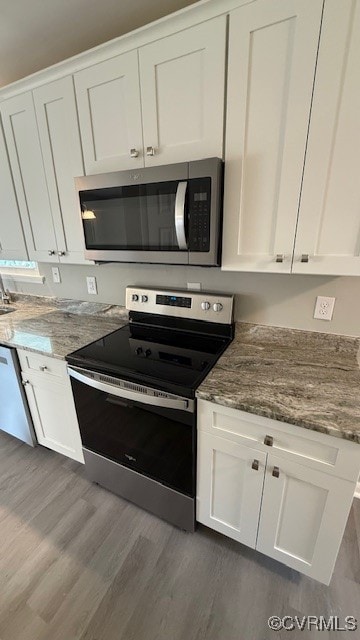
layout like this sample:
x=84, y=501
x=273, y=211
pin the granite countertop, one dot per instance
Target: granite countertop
x=56, y=327
x=308, y=379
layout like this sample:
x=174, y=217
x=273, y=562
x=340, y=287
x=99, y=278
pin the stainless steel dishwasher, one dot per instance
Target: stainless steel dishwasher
x=15, y=416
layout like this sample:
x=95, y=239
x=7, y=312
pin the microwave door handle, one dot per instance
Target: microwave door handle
x=180, y=215
x=110, y=389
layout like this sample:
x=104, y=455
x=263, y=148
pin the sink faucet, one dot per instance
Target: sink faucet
x=4, y=294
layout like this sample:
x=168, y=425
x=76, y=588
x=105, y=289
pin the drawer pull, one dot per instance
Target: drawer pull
x=279, y=257
x=304, y=257
x=255, y=465
x=51, y=252
x=25, y=382
x=134, y=153
x=43, y=368
x=269, y=441
x=150, y=151
x=276, y=472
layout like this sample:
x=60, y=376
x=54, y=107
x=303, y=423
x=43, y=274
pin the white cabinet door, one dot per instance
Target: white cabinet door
x=329, y=219
x=229, y=488
x=303, y=517
x=27, y=166
x=272, y=56
x=182, y=94
x=12, y=242
x=108, y=98
x=60, y=142
x=53, y=412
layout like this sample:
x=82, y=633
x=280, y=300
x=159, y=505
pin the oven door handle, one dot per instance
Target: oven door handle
x=180, y=215
x=111, y=389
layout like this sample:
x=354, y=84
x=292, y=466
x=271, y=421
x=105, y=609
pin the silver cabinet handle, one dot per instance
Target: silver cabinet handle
x=61, y=253
x=134, y=153
x=150, y=151
x=255, y=465
x=276, y=472
x=43, y=368
x=269, y=441
x=51, y=252
x=304, y=257
x=180, y=215
x=279, y=257
x=25, y=382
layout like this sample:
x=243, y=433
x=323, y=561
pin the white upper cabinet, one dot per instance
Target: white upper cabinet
x=12, y=243
x=329, y=219
x=182, y=81
x=272, y=56
x=26, y=161
x=60, y=142
x=108, y=98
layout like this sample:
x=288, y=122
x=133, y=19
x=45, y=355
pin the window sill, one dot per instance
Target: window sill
x=12, y=278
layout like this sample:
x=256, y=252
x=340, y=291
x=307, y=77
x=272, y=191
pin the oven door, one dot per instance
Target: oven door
x=154, y=436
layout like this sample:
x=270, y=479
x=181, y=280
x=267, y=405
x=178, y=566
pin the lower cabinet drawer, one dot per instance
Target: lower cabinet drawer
x=316, y=450
x=38, y=363
x=229, y=490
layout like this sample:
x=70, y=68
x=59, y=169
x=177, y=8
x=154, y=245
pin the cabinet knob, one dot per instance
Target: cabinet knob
x=134, y=153
x=269, y=441
x=279, y=257
x=255, y=465
x=43, y=368
x=150, y=151
x=61, y=253
x=51, y=252
x=304, y=257
x=25, y=382
x=276, y=472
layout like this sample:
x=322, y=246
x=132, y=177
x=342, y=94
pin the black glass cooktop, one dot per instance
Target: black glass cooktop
x=175, y=361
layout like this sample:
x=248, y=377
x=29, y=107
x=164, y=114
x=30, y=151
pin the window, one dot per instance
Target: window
x=20, y=271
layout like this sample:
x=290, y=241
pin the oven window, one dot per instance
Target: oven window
x=156, y=442
x=132, y=218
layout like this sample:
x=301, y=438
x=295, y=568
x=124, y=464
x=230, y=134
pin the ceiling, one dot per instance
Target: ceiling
x=35, y=34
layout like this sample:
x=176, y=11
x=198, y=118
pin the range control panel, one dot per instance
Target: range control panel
x=197, y=305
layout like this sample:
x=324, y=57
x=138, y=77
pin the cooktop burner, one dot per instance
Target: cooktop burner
x=172, y=341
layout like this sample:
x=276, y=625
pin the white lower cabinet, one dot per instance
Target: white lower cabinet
x=51, y=403
x=230, y=482
x=303, y=517
x=280, y=489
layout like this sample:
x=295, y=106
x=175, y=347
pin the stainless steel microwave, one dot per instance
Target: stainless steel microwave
x=166, y=215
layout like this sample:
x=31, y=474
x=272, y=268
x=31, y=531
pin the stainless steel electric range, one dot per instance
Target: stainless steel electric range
x=134, y=393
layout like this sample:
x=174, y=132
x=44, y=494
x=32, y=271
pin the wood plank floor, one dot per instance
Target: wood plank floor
x=78, y=563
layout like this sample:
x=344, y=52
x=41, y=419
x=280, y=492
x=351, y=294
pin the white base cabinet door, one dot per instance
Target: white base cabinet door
x=271, y=68
x=329, y=216
x=182, y=80
x=12, y=242
x=230, y=485
x=51, y=403
x=303, y=517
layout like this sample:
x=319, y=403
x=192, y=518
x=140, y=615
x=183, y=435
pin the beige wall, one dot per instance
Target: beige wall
x=279, y=300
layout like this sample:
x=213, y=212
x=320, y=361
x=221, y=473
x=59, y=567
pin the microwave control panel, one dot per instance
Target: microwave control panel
x=199, y=203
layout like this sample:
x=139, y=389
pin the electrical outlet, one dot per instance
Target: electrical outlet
x=56, y=275
x=91, y=285
x=195, y=286
x=324, y=308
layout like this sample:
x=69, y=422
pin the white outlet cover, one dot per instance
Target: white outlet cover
x=56, y=275
x=91, y=285
x=324, y=308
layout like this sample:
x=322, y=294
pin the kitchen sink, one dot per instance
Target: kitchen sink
x=6, y=310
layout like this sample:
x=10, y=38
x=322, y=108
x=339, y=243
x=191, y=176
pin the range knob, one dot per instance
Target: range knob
x=134, y=297
x=147, y=353
x=217, y=306
x=144, y=298
x=205, y=306
x=138, y=351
